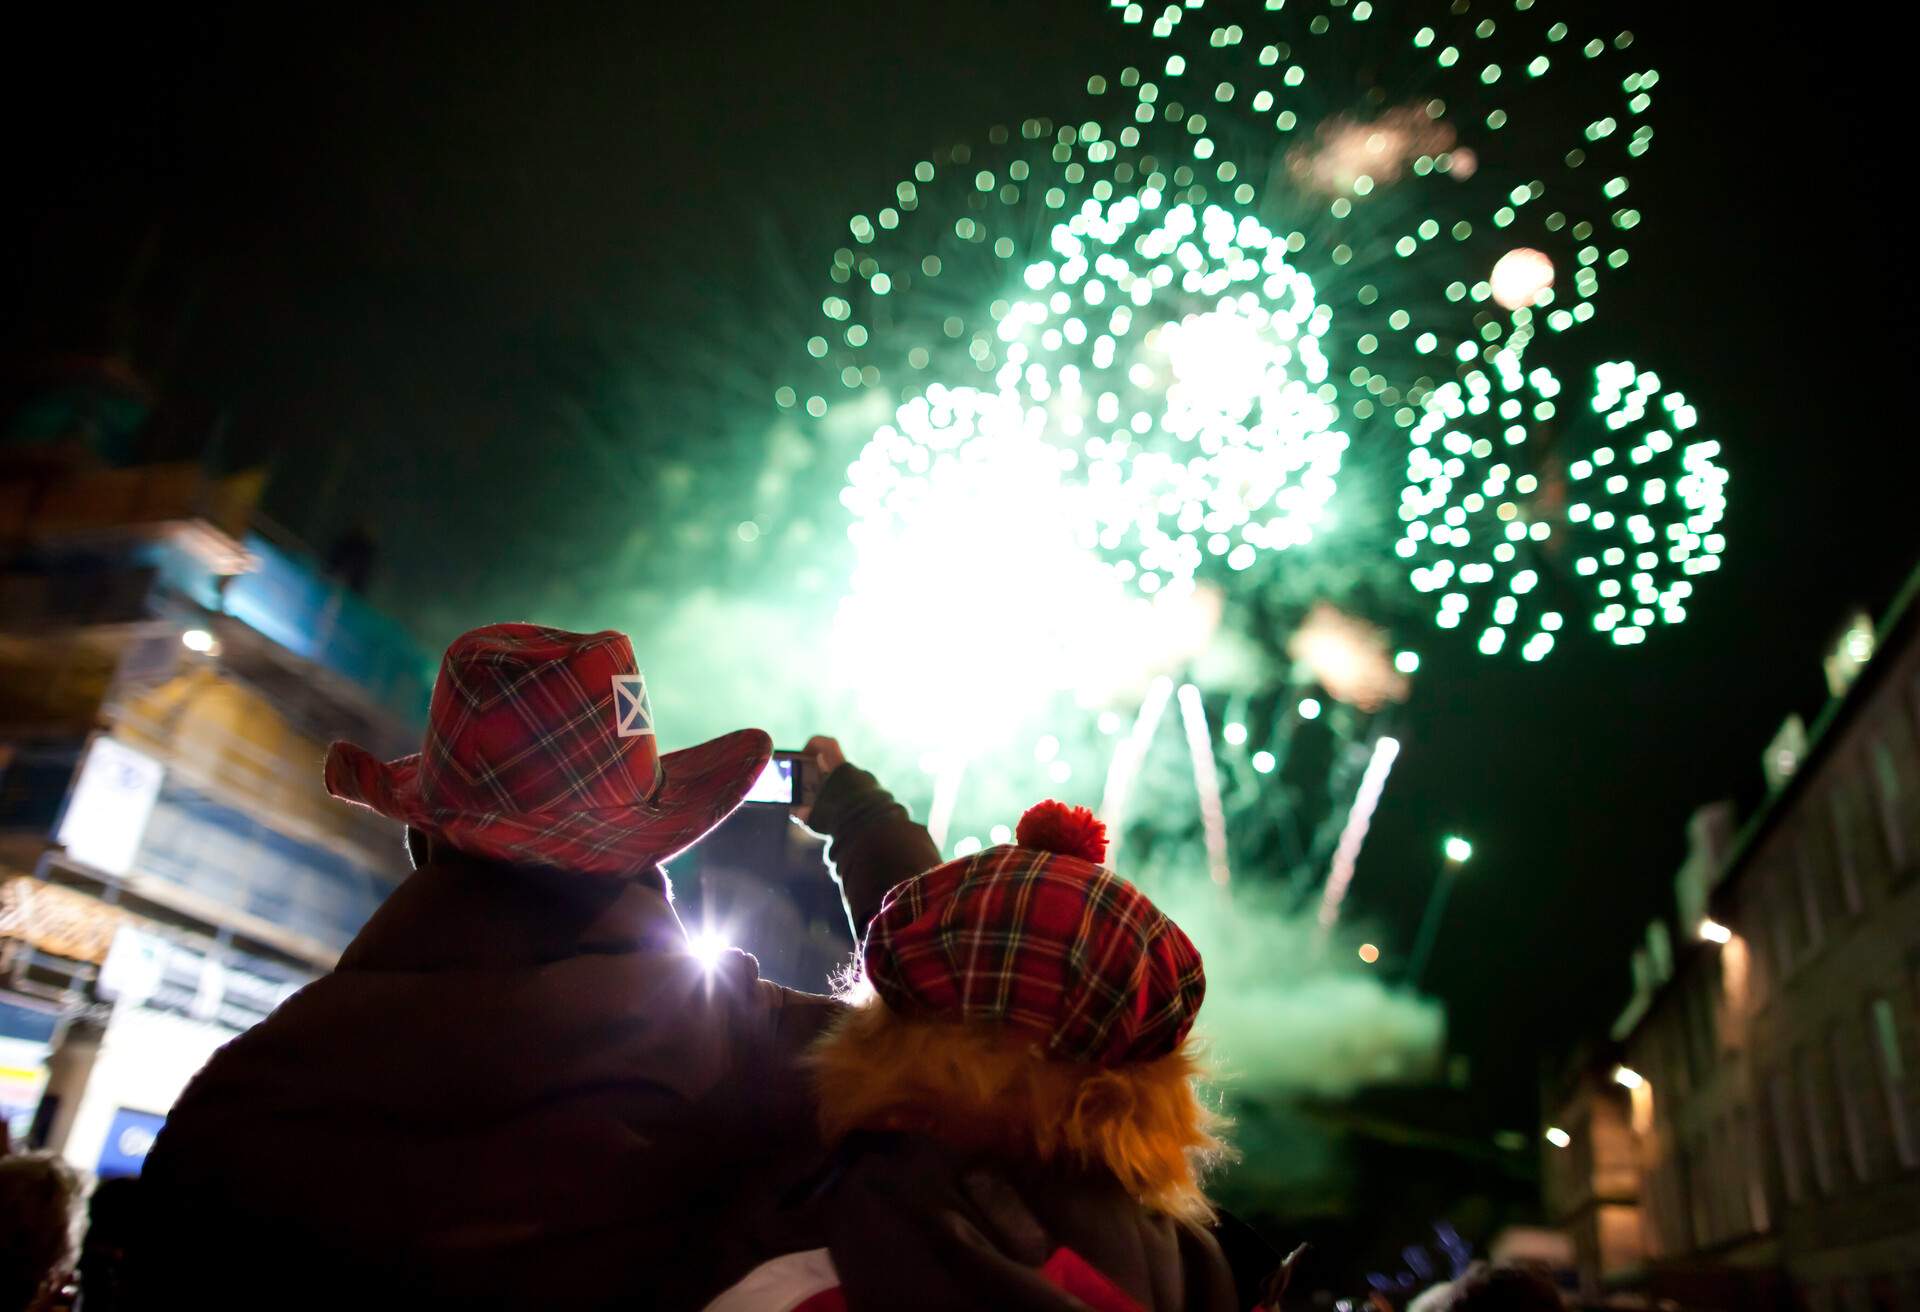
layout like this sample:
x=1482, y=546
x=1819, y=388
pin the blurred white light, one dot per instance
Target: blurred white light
x=1558, y=1137
x=197, y=640
x=707, y=946
x=1264, y=762
x=1714, y=932
x=1520, y=276
x=1235, y=733
x=1627, y=1077
x=952, y=460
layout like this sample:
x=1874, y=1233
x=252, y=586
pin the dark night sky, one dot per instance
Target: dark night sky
x=368, y=237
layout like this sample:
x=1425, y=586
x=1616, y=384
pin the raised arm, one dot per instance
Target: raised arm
x=872, y=843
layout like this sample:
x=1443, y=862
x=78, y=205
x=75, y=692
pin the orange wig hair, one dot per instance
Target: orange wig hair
x=1142, y=1122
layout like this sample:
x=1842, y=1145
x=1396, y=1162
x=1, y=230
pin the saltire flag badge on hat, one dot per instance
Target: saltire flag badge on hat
x=633, y=713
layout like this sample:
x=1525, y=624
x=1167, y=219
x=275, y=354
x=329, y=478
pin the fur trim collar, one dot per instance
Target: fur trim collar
x=1142, y=1122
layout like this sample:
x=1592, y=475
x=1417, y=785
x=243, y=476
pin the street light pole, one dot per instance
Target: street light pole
x=1457, y=851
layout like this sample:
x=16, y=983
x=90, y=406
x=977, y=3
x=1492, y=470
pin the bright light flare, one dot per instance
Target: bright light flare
x=1369, y=953
x=1519, y=277
x=1627, y=1077
x=1558, y=1137
x=961, y=509
x=1457, y=849
x=198, y=640
x=1714, y=932
x=707, y=946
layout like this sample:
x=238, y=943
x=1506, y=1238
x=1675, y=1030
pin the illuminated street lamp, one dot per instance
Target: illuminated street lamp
x=1457, y=851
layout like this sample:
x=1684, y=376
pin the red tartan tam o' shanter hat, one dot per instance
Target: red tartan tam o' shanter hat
x=541, y=751
x=1040, y=937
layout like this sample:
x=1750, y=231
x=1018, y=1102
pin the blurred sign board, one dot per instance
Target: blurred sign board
x=57, y=920
x=26, y=1039
x=129, y=1139
x=111, y=803
x=144, y=969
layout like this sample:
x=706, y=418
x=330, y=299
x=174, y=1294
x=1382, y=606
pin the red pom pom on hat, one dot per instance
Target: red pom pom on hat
x=1052, y=826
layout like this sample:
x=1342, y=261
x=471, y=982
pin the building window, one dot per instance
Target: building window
x=1814, y=1113
x=1846, y=852
x=1786, y=1137
x=1892, y=1067
x=1759, y=960
x=1913, y=705
x=1699, y=1039
x=1814, y=925
x=1886, y=790
x=1753, y=1154
x=1848, y=1087
x=1896, y=774
x=1697, y=1169
x=1731, y=1185
x=1779, y=899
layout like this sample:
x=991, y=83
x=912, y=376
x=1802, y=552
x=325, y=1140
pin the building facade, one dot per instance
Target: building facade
x=1751, y=1131
x=170, y=867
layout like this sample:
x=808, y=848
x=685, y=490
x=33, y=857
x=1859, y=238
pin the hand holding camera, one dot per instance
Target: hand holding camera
x=793, y=779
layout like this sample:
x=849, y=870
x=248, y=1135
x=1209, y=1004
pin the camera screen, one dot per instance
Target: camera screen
x=775, y=783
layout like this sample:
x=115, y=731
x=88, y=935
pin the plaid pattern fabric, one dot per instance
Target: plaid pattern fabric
x=540, y=750
x=1050, y=944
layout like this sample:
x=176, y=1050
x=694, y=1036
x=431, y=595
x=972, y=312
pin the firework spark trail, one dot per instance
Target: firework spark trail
x=1372, y=783
x=1206, y=783
x=1125, y=766
x=946, y=796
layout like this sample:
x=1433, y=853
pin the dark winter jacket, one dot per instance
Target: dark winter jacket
x=888, y=1204
x=517, y=1089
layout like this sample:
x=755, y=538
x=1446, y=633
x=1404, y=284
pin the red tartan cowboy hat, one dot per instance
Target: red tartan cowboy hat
x=1040, y=937
x=540, y=751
